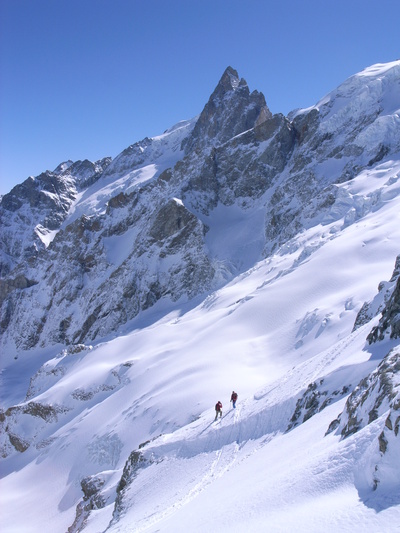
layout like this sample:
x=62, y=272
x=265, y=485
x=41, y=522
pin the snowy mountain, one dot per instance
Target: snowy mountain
x=238, y=250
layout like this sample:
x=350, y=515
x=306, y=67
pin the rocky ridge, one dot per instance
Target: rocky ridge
x=236, y=153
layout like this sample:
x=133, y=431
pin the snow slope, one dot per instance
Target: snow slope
x=268, y=334
x=119, y=436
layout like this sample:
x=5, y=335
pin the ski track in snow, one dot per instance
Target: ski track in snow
x=332, y=467
x=223, y=461
x=227, y=437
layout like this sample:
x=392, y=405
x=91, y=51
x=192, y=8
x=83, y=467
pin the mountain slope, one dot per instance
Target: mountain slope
x=198, y=262
x=227, y=203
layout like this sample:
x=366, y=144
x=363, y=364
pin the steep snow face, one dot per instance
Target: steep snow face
x=284, y=325
x=350, y=130
x=163, y=150
x=370, y=101
x=376, y=86
x=139, y=164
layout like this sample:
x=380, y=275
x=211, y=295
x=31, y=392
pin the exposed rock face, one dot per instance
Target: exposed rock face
x=231, y=110
x=172, y=219
x=316, y=398
x=39, y=206
x=135, y=462
x=114, y=237
x=7, y=286
x=19, y=431
x=92, y=499
x=385, y=302
x=375, y=394
x=241, y=170
x=389, y=324
x=376, y=400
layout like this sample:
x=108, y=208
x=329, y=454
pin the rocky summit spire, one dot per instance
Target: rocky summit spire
x=229, y=82
x=230, y=110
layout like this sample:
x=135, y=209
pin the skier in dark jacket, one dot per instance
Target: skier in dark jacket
x=234, y=397
x=218, y=409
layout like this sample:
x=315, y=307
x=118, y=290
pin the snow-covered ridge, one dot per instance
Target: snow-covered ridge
x=371, y=82
x=370, y=101
x=137, y=165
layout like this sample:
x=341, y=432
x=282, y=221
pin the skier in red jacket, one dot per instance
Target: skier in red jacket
x=218, y=409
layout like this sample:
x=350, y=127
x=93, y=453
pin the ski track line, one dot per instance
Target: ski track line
x=228, y=455
x=215, y=472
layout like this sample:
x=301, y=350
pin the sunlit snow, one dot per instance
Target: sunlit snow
x=283, y=323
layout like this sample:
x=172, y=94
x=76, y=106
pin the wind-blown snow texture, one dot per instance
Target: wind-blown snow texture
x=238, y=250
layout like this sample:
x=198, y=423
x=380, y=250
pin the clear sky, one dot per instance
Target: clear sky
x=84, y=79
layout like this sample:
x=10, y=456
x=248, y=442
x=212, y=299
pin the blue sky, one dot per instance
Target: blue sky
x=84, y=79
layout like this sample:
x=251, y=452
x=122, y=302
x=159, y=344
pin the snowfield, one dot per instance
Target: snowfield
x=130, y=417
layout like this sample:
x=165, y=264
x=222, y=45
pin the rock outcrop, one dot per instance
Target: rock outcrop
x=389, y=324
x=230, y=111
x=376, y=400
x=385, y=302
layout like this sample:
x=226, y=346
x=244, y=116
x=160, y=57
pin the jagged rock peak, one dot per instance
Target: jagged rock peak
x=230, y=111
x=229, y=81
